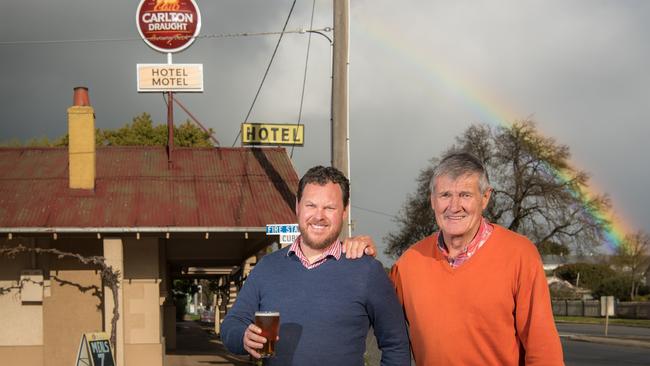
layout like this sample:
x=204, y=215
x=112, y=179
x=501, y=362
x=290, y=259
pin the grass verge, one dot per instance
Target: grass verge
x=191, y=317
x=615, y=321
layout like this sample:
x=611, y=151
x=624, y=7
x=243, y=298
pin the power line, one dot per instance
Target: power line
x=131, y=39
x=376, y=212
x=304, y=77
x=267, y=69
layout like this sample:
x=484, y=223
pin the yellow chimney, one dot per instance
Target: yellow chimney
x=81, y=144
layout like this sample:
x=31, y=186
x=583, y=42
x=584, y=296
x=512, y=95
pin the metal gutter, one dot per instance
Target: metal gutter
x=151, y=229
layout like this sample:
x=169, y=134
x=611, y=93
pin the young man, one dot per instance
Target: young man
x=326, y=302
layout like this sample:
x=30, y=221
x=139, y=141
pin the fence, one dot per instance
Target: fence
x=630, y=310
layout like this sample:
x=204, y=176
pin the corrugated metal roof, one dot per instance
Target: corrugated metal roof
x=207, y=187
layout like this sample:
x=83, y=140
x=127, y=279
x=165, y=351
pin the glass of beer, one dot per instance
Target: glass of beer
x=269, y=322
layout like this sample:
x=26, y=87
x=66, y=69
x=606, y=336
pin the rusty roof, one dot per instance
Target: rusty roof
x=225, y=188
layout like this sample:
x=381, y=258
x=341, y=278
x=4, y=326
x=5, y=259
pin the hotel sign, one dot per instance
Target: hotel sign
x=272, y=134
x=170, y=77
x=168, y=25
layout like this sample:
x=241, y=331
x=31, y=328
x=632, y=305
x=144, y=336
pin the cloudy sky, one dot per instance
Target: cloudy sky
x=420, y=74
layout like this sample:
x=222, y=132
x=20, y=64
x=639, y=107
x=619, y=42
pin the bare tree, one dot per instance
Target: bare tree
x=633, y=257
x=536, y=191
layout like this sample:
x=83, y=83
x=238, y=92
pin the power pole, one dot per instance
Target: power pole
x=170, y=128
x=340, y=109
x=340, y=61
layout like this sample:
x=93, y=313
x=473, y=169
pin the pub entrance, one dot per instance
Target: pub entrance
x=203, y=275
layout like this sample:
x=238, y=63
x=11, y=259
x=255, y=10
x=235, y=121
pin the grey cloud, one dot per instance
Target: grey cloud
x=420, y=74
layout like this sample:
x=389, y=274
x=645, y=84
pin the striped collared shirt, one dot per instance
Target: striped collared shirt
x=334, y=250
x=481, y=237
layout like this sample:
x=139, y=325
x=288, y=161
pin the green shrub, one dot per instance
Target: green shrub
x=618, y=286
x=591, y=275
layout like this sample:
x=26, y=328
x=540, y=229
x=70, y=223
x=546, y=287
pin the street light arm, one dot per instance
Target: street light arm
x=322, y=34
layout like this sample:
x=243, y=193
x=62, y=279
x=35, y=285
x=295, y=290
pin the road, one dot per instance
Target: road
x=595, y=354
x=577, y=353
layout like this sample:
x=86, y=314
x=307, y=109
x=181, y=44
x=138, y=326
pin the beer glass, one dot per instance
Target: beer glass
x=269, y=322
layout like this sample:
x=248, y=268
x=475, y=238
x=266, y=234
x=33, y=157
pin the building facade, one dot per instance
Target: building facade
x=152, y=220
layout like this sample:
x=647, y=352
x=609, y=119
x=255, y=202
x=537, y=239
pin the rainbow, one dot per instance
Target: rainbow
x=486, y=105
x=615, y=230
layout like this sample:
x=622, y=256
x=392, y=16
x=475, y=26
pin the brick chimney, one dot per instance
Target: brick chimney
x=81, y=144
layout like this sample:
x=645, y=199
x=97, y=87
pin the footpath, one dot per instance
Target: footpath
x=198, y=345
x=594, y=333
x=618, y=341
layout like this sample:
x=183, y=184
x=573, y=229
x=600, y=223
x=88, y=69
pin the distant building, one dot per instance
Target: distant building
x=551, y=262
x=561, y=287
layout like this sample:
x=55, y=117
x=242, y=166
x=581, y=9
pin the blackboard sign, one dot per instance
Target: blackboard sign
x=101, y=353
x=95, y=350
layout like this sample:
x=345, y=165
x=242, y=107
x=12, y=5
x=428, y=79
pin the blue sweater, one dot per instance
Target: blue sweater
x=325, y=312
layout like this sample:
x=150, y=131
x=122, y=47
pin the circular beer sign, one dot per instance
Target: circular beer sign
x=168, y=25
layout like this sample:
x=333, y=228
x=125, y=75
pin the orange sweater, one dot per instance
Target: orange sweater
x=493, y=310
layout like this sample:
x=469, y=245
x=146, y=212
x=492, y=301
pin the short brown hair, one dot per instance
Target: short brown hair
x=322, y=175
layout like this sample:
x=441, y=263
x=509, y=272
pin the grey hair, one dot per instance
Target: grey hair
x=458, y=164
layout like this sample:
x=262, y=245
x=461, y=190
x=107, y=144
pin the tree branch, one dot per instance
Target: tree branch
x=108, y=275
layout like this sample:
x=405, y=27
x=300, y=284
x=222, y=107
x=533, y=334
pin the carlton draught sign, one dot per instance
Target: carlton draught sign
x=168, y=25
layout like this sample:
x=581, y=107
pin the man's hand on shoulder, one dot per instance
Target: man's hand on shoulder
x=356, y=246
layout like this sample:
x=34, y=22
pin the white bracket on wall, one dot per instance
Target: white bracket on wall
x=31, y=286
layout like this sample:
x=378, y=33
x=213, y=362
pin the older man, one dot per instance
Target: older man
x=474, y=293
x=326, y=302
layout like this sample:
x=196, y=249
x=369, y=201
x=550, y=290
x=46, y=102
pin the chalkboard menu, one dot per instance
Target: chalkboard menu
x=95, y=350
